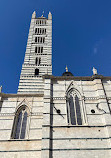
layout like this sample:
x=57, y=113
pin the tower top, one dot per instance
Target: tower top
x=49, y=16
x=34, y=15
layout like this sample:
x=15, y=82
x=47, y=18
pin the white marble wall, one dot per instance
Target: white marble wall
x=93, y=137
x=49, y=134
x=31, y=145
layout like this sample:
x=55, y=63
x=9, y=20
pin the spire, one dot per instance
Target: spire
x=66, y=68
x=34, y=15
x=49, y=16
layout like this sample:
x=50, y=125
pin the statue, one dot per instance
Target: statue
x=0, y=89
x=94, y=71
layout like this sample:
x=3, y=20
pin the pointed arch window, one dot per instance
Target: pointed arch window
x=36, y=61
x=75, y=108
x=20, y=123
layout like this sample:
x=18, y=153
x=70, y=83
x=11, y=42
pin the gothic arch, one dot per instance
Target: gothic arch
x=24, y=102
x=21, y=121
x=73, y=85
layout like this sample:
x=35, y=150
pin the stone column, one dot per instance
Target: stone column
x=103, y=107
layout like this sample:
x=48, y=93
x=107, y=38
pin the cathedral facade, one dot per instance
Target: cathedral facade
x=54, y=116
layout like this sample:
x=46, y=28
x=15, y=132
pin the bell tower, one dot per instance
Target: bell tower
x=38, y=56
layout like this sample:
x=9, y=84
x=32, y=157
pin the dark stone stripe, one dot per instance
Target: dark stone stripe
x=35, y=128
x=100, y=114
x=76, y=138
x=5, y=129
x=21, y=151
x=77, y=149
x=36, y=118
x=11, y=140
x=6, y=119
x=78, y=126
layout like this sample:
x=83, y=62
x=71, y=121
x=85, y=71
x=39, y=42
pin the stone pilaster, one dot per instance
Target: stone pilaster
x=46, y=127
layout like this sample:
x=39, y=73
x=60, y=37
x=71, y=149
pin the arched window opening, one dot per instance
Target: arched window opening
x=39, y=61
x=36, y=72
x=38, y=49
x=35, y=39
x=74, y=109
x=35, y=49
x=36, y=61
x=43, y=39
x=20, y=123
x=38, y=39
x=35, y=30
x=41, y=49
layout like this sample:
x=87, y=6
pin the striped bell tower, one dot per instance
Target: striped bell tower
x=38, y=56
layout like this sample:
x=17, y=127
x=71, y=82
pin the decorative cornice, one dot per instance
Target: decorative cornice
x=7, y=114
x=21, y=95
x=31, y=114
x=37, y=113
x=90, y=78
x=95, y=98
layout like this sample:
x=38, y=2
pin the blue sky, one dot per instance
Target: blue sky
x=81, y=37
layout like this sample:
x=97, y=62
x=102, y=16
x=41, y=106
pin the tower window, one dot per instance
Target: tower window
x=42, y=31
x=41, y=49
x=41, y=22
x=36, y=60
x=35, y=39
x=43, y=39
x=36, y=72
x=35, y=49
x=39, y=61
x=38, y=49
x=35, y=30
x=39, y=39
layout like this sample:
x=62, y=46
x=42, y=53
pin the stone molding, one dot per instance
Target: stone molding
x=90, y=78
x=21, y=95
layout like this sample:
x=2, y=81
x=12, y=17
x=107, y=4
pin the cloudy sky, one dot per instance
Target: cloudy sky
x=81, y=36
